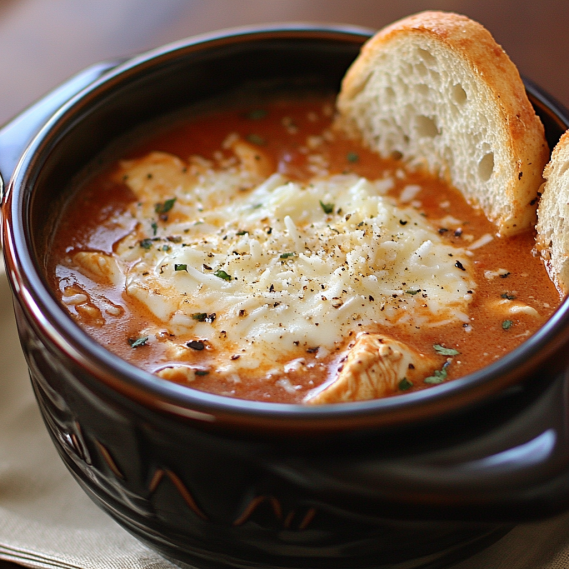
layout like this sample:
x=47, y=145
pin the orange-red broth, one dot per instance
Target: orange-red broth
x=280, y=129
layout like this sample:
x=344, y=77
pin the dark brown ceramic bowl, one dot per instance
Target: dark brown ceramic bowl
x=419, y=480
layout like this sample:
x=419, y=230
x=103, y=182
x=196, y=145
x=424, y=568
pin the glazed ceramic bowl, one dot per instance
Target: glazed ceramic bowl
x=417, y=480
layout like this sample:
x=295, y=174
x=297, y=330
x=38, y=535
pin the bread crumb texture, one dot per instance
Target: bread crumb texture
x=438, y=91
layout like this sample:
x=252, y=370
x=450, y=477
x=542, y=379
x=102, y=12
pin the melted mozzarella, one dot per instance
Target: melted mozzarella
x=265, y=266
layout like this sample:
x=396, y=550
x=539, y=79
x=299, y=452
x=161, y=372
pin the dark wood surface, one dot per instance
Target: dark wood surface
x=42, y=42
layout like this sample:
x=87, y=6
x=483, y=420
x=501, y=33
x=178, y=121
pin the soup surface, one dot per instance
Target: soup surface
x=257, y=253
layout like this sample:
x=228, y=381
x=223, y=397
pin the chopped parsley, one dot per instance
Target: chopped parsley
x=505, y=275
x=405, y=384
x=439, y=375
x=136, y=343
x=242, y=233
x=165, y=207
x=286, y=255
x=180, y=267
x=508, y=296
x=507, y=324
x=201, y=372
x=413, y=292
x=445, y=351
x=146, y=243
x=327, y=207
x=256, y=114
x=154, y=226
x=222, y=275
x=352, y=157
x=256, y=139
x=204, y=317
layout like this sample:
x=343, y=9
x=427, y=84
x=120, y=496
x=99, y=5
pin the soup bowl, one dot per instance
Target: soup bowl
x=418, y=480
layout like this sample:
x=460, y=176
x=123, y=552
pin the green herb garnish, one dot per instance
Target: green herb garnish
x=138, y=342
x=242, y=233
x=445, y=351
x=201, y=372
x=146, y=243
x=405, y=384
x=286, y=255
x=222, y=275
x=256, y=139
x=199, y=316
x=439, y=375
x=165, y=207
x=154, y=226
x=327, y=207
x=413, y=292
x=180, y=267
x=352, y=156
x=256, y=114
x=508, y=296
x=507, y=324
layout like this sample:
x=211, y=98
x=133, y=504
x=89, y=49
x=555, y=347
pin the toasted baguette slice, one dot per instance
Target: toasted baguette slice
x=552, y=240
x=437, y=90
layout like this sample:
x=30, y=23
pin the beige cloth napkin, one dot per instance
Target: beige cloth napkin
x=46, y=521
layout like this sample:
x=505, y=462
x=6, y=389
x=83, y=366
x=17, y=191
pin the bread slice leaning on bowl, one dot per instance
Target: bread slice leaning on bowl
x=552, y=239
x=438, y=91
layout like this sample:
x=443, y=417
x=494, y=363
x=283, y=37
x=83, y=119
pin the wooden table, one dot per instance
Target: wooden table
x=42, y=42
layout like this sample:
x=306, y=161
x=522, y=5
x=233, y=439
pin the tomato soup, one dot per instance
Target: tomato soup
x=252, y=252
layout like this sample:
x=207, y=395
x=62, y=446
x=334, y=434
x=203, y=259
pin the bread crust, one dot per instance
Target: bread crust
x=552, y=240
x=522, y=134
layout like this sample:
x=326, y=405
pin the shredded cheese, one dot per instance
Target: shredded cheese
x=281, y=264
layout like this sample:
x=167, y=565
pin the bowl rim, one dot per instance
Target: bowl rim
x=35, y=296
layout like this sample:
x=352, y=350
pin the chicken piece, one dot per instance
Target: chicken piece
x=510, y=307
x=156, y=176
x=178, y=374
x=253, y=159
x=373, y=369
x=99, y=266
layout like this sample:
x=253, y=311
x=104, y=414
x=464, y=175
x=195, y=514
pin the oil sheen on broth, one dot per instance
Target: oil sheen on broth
x=256, y=253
